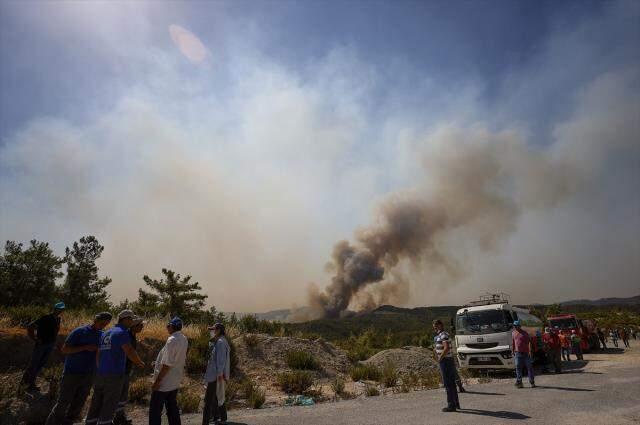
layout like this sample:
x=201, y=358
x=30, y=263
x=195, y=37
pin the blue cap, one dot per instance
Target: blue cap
x=516, y=323
x=59, y=306
x=176, y=322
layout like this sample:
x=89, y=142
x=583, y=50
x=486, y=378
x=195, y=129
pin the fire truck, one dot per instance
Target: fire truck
x=586, y=329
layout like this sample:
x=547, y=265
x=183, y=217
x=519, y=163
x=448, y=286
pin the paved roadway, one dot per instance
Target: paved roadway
x=605, y=390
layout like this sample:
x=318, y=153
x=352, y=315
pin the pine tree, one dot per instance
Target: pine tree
x=174, y=295
x=82, y=286
x=28, y=276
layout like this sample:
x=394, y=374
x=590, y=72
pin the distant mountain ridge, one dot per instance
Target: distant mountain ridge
x=605, y=301
x=283, y=315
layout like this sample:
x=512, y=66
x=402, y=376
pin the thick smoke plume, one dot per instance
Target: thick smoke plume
x=475, y=186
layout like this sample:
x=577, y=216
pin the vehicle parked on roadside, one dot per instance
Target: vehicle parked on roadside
x=483, y=332
x=585, y=328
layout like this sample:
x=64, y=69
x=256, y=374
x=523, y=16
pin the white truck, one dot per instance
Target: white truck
x=483, y=332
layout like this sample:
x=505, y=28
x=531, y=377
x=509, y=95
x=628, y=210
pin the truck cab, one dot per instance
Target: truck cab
x=483, y=333
x=584, y=328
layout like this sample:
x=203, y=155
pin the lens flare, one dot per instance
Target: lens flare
x=188, y=43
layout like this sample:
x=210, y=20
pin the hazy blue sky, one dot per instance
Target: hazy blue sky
x=245, y=163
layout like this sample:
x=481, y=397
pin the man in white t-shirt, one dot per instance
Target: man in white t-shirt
x=167, y=374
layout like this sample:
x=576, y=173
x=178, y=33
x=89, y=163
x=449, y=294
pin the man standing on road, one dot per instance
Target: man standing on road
x=521, y=344
x=447, y=366
x=168, y=372
x=552, y=345
x=44, y=331
x=601, y=338
x=79, y=349
x=576, y=344
x=115, y=348
x=216, y=376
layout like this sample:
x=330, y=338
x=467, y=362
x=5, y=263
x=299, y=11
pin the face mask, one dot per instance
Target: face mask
x=212, y=333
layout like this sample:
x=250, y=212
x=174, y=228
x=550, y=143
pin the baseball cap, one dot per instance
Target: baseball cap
x=217, y=325
x=59, y=306
x=176, y=322
x=104, y=315
x=516, y=323
x=126, y=314
x=137, y=320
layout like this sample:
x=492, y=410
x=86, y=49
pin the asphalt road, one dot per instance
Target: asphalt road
x=604, y=390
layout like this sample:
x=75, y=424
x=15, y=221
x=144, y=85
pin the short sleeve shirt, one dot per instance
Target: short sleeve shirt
x=439, y=341
x=174, y=355
x=83, y=361
x=113, y=360
x=47, y=328
x=521, y=341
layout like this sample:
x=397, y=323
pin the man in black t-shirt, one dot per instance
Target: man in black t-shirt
x=44, y=331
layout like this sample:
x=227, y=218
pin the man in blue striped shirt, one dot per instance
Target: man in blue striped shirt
x=442, y=350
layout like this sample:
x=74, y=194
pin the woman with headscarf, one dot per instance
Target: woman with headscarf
x=216, y=376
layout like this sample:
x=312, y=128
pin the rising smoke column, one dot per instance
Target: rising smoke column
x=476, y=185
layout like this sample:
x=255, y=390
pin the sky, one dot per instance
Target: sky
x=239, y=141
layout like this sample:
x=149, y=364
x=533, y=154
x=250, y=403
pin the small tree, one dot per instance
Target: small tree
x=82, y=287
x=28, y=276
x=174, y=296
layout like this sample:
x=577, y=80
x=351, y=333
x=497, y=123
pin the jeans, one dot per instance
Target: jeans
x=39, y=357
x=448, y=373
x=566, y=353
x=214, y=407
x=160, y=399
x=74, y=390
x=106, y=394
x=524, y=360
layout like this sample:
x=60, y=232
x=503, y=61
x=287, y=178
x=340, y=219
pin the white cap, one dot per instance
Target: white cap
x=126, y=314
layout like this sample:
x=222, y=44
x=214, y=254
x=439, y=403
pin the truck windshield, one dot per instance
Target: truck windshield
x=483, y=322
x=564, y=323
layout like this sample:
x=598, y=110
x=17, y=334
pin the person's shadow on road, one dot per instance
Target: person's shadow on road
x=481, y=393
x=502, y=414
x=549, y=387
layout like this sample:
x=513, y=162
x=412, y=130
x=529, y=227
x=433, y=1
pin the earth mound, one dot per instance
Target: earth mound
x=405, y=360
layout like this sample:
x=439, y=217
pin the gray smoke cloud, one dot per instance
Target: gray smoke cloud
x=476, y=186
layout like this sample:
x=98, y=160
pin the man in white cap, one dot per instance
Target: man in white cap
x=115, y=348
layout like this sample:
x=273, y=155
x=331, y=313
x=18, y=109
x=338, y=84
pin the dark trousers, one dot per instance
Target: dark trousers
x=211, y=408
x=39, y=357
x=603, y=344
x=448, y=373
x=106, y=394
x=554, y=358
x=160, y=399
x=74, y=390
x=124, y=397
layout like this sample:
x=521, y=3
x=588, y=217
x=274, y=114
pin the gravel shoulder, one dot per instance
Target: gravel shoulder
x=604, y=390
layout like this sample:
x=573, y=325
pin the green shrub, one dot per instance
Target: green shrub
x=232, y=390
x=188, y=400
x=139, y=390
x=365, y=372
x=24, y=314
x=251, y=341
x=430, y=379
x=389, y=376
x=296, y=382
x=302, y=360
x=257, y=398
x=371, y=391
x=337, y=385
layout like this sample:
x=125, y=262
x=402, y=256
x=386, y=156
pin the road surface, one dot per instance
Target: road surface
x=605, y=390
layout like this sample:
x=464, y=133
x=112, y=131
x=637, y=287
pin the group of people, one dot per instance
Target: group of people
x=103, y=360
x=550, y=347
x=621, y=333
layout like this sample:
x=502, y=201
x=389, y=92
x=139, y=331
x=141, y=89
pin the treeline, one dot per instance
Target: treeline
x=33, y=278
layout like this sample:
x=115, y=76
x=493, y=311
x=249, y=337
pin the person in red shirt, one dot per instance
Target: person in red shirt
x=551, y=342
x=521, y=344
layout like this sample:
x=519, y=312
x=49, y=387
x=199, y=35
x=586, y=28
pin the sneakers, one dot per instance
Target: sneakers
x=533, y=385
x=518, y=384
x=448, y=409
x=461, y=389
